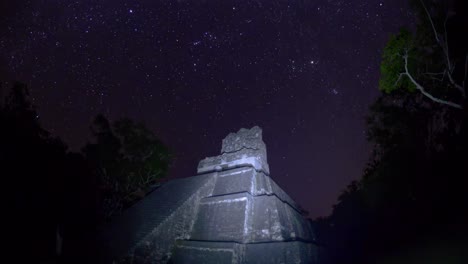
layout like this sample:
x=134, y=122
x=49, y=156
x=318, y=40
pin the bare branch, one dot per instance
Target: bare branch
x=399, y=78
x=435, y=73
x=423, y=91
x=430, y=20
x=466, y=69
x=445, y=48
x=441, y=79
x=459, y=87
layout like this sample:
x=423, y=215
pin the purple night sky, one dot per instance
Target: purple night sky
x=193, y=71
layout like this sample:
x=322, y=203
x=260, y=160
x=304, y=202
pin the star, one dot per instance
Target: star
x=175, y=65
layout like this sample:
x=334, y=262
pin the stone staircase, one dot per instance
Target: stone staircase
x=148, y=229
x=232, y=212
x=247, y=218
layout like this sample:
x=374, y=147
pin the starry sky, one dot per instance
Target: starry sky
x=193, y=71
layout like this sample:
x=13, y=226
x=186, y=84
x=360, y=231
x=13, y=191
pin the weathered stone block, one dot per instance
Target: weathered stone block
x=244, y=148
x=233, y=253
x=262, y=184
x=244, y=157
x=265, y=223
x=275, y=220
x=235, y=181
x=280, y=252
x=233, y=213
x=205, y=252
x=169, y=209
x=282, y=195
x=300, y=226
x=287, y=229
x=222, y=218
x=245, y=179
x=244, y=139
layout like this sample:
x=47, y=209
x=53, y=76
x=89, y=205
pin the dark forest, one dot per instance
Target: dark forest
x=408, y=205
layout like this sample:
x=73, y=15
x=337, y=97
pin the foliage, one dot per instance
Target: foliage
x=128, y=159
x=423, y=61
x=410, y=205
x=53, y=192
x=392, y=64
x=35, y=166
x=411, y=193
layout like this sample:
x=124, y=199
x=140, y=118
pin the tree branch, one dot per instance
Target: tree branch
x=399, y=78
x=430, y=20
x=432, y=75
x=466, y=69
x=435, y=73
x=423, y=91
x=445, y=49
x=459, y=87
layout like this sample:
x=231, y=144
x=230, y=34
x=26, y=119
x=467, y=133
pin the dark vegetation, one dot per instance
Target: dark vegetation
x=411, y=205
x=57, y=198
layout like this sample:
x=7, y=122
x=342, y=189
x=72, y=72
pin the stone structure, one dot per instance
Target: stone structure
x=232, y=212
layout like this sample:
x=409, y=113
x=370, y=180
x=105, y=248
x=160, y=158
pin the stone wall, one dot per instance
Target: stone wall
x=232, y=212
x=146, y=232
x=247, y=218
x=156, y=246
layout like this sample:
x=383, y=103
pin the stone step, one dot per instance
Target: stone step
x=245, y=218
x=122, y=234
x=214, y=252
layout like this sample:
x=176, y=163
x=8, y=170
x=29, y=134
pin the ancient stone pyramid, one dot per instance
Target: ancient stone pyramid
x=232, y=212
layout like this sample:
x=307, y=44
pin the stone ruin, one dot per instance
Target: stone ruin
x=232, y=212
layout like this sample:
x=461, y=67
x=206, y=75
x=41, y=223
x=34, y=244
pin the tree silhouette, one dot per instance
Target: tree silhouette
x=32, y=175
x=54, y=197
x=128, y=159
x=410, y=205
x=424, y=61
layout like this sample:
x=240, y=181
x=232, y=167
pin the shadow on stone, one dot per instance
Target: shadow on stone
x=232, y=212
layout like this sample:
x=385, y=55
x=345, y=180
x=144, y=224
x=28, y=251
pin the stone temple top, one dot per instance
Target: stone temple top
x=232, y=212
x=244, y=138
x=244, y=148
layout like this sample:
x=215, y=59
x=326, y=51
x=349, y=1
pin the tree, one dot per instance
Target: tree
x=422, y=61
x=51, y=194
x=411, y=200
x=411, y=193
x=128, y=158
x=32, y=176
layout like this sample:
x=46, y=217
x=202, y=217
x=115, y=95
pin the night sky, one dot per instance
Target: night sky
x=193, y=71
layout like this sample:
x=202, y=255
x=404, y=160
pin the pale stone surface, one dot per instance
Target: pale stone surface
x=244, y=218
x=244, y=138
x=222, y=218
x=244, y=148
x=262, y=253
x=189, y=252
x=165, y=215
x=266, y=224
x=281, y=252
x=241, y=158
x=234, y=181
x=282, y=195
x=157, y=245
x=232, y=213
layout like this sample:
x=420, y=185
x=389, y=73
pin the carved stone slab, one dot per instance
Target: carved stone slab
x=244, y=148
